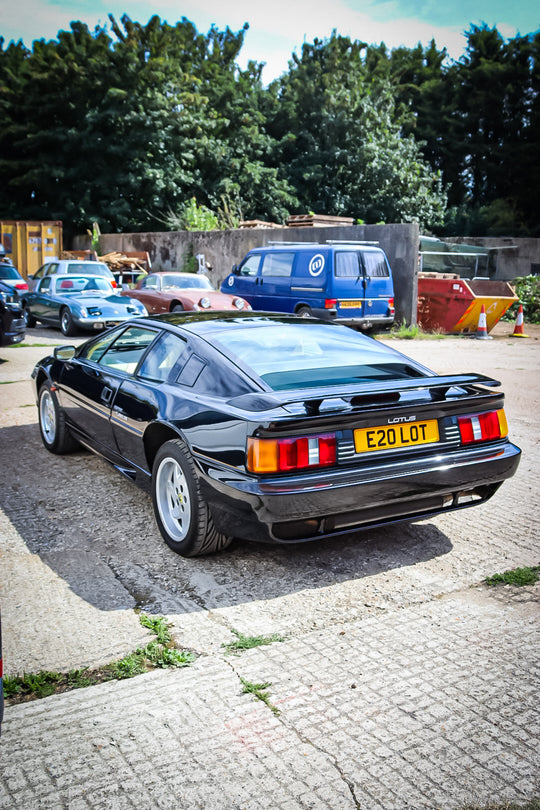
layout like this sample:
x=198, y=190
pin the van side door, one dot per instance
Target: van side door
x=273, y=282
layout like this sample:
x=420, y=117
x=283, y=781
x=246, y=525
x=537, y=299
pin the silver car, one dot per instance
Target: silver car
x=78, y=302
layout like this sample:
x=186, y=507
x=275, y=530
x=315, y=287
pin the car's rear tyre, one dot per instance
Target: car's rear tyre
x=177, y=308
x=182, y=515
x=304, y=312
x=55, y=434
x=67, y=324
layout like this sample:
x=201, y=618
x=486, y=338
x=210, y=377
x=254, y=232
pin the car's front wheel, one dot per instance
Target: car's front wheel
x=29, y=319
x=177, y=308
x=52, y=423
x=182, y=515
x=67, y=324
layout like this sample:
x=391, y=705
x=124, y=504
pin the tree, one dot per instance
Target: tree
x=341, y=140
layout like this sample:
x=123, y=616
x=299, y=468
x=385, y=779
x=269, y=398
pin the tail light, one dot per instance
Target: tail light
x=285, y=455
x=21, y=285
x=391, y=307
x=330, y=303
x=483, y=427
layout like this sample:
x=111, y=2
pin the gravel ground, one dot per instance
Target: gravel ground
x=96, y=535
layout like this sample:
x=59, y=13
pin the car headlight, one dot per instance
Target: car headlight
x=83, y=313
x=239, y=303
x=205, y=303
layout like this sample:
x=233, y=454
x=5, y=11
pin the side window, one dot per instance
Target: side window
x=277, y=264
x=45, y=284
x=150, y=283
x=166, y=354
x=375, y=265
x=250, y=266
x=126, y=351
x=41, y=272
x=51, y=269
x=348, y=264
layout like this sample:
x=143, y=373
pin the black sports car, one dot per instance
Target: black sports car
x=273, y=428
x=12, y=321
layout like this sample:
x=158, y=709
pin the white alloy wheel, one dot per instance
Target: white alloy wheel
x=47, y=417
x=173, y=499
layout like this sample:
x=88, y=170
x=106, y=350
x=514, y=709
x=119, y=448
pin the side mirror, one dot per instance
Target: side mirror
x=235, y=271
x=64, y=352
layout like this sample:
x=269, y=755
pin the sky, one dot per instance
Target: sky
x=277, y=28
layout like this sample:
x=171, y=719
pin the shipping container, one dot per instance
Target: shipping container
x=30, y=244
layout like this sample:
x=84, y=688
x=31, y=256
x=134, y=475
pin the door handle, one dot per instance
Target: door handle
x=106, y=395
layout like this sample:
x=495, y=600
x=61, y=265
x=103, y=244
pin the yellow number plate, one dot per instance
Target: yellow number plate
x=405, y=434
x=350, y=304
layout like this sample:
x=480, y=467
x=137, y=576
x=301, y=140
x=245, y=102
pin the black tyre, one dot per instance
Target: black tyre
x=182, y=516
x=177, y=308
x=304, y=312
x=28, y=317
x=55, y=433
x=67, y=324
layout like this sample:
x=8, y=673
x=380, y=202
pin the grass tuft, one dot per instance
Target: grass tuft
x=160, y=653
x=257, y=690
x=517, y=576
x=249, y=642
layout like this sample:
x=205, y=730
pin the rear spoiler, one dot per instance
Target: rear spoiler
x=378, y=392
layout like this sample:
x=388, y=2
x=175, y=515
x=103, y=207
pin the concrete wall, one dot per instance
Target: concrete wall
x=222, y=249
x=514, y=257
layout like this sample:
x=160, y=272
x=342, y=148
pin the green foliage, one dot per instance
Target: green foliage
x=41, y=684
x=257, y=690
x=528, y=291
x=403, y=331
x=115, y=125
x=249, y=642
x=159, y=653
x=341, y=143
x=517, y=576
x=193, y=217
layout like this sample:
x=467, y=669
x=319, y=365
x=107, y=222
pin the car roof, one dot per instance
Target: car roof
x=310, y=246
x=208, y=323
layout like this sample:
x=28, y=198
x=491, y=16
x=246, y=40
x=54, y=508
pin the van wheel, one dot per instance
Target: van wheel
x=304, y=312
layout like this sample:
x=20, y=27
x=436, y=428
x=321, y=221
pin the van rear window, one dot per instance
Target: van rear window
x=348, y=264
x=375, y=265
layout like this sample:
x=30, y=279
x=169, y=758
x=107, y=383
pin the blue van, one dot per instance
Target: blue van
x=349, y=282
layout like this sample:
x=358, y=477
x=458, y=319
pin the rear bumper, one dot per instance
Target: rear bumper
x=330, y=503
x=362, y=322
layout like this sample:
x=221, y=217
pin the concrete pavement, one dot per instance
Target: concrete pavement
x=402, y=682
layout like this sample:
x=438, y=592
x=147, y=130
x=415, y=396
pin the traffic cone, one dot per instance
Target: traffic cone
x=481, y=332
x=518, y=328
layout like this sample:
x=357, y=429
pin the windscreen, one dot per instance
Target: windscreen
x=311, y=355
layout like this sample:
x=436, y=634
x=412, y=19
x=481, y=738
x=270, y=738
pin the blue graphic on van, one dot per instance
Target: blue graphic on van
x=347, y=282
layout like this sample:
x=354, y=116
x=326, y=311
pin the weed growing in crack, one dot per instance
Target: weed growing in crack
x=517, y=576
x=256, y=689
x=248, y=642
x=160, y=653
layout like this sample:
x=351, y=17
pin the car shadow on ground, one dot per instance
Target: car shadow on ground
x=96, y=530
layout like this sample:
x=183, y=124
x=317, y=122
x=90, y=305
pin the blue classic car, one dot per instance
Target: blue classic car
x=78, y=302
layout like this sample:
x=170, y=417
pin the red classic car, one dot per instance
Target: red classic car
x=177, y=292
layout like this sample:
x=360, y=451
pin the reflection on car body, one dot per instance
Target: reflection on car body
x=78, y=302
x=274, y=428
x=177, y=292
x=12, y=321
